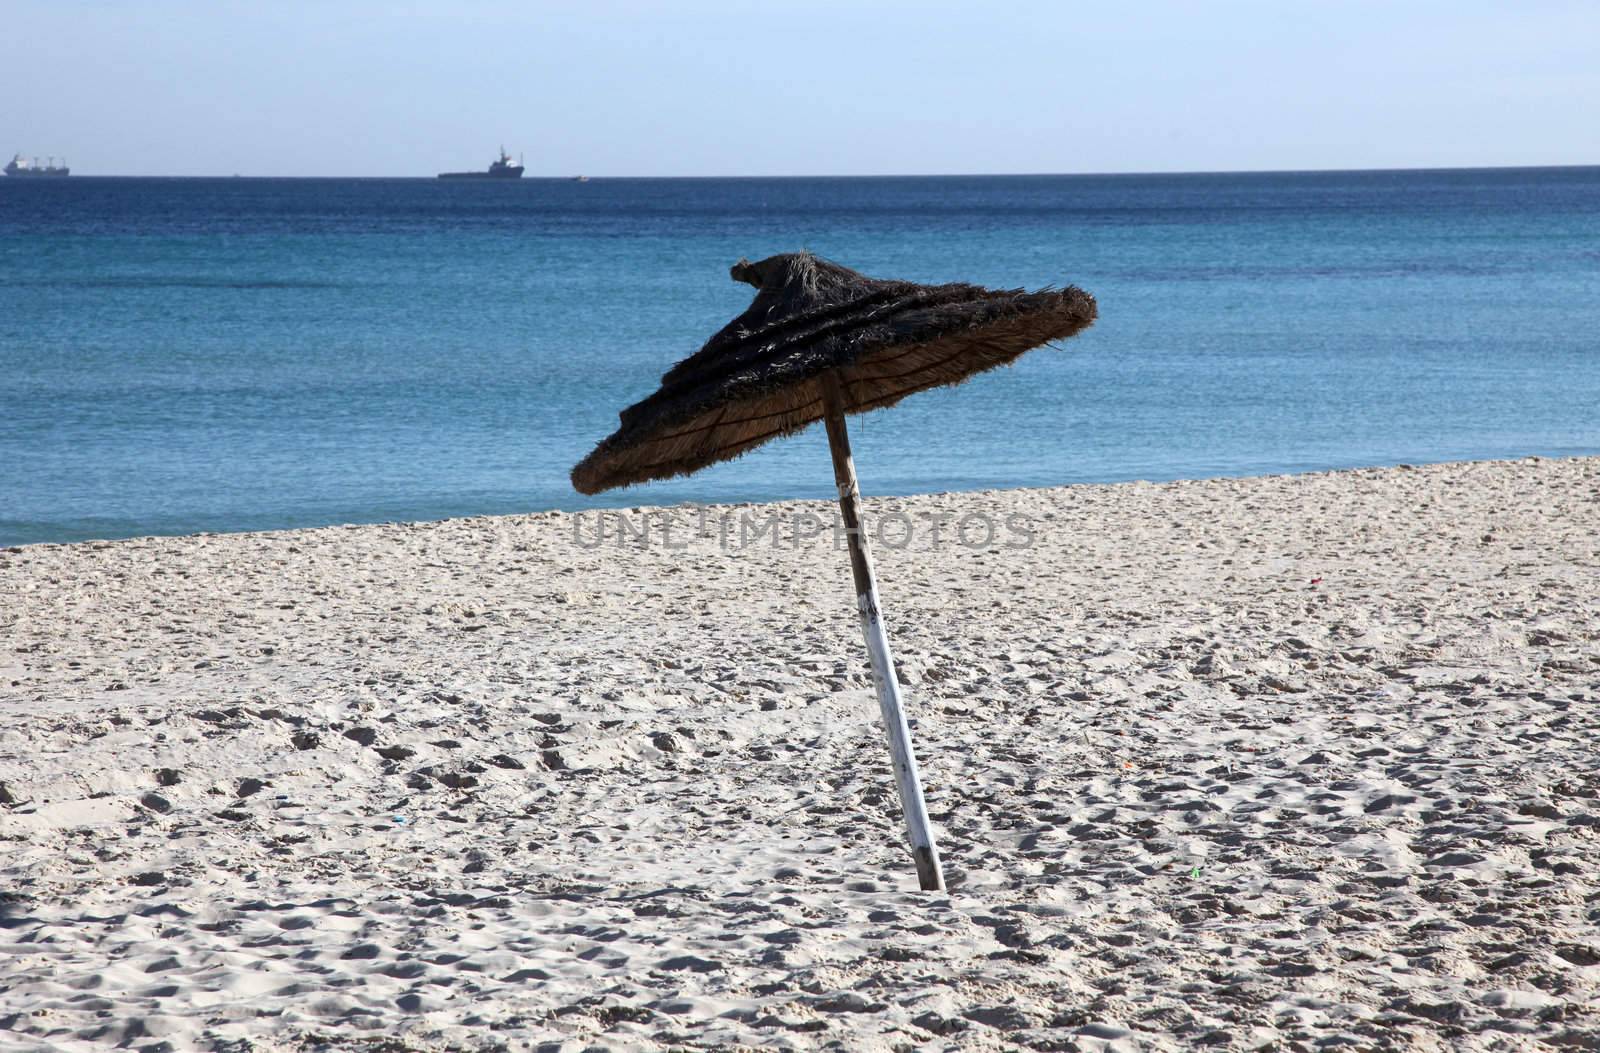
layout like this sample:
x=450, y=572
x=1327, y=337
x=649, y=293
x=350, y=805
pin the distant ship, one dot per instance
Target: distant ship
x=500, y=169
x=21, y=166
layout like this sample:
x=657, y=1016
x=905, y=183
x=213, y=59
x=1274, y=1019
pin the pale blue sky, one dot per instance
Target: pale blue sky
x=617, y=87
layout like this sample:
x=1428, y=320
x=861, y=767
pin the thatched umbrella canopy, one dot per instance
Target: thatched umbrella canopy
x=819, y=342
x=758, y=378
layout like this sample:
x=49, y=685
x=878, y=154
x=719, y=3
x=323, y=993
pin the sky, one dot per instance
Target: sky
x=698, y=87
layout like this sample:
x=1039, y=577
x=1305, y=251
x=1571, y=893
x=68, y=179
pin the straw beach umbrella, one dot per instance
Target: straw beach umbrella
x=819, y=342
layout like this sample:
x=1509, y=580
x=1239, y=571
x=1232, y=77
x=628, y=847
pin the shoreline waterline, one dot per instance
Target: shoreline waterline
x=614, y=506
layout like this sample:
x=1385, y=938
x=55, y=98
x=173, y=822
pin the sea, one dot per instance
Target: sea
x=186, y=355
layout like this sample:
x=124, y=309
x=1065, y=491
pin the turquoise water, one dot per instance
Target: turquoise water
x=240, y=354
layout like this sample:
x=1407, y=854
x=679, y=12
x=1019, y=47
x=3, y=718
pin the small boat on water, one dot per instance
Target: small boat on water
x=23, y=168
x=502, y=168
x=580, y=179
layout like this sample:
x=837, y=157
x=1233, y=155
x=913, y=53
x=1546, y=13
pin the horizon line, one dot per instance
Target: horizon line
x=897, y=175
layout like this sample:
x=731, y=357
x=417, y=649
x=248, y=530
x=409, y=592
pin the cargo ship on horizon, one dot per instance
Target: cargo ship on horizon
x=502, y=168
x=23, y=168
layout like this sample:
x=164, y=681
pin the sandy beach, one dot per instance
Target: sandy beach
x=1295, y=762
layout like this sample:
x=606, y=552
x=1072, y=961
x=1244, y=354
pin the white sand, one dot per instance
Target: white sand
x=469, y=783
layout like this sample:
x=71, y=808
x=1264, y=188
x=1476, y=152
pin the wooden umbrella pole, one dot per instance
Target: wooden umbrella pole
x=926, y=853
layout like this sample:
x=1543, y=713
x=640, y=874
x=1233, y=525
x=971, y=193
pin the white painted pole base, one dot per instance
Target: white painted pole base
x=929, y=871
